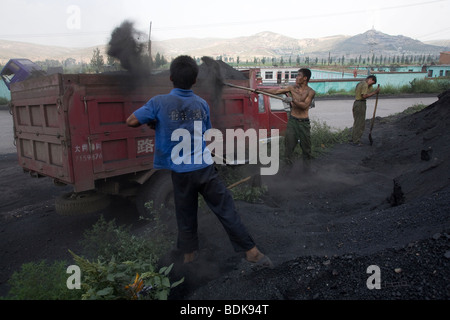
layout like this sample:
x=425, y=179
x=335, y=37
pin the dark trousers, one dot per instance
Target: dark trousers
x=207, y=182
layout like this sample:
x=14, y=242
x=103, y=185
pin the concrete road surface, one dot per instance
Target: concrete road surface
x=336, y=113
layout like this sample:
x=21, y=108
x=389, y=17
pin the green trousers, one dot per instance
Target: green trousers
x=298, y=130
x=359, y=120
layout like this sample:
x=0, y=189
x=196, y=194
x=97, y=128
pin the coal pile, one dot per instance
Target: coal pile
x=212, y=76
x=388, y=206
x=426, y=159
x=218, y=71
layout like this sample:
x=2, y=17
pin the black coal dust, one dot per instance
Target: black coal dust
x=125, y=47
x=212, y=75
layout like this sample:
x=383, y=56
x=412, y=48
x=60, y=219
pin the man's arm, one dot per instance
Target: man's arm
x=307, y=102
x=368, y=95
x=276, y=90
x=132, y=121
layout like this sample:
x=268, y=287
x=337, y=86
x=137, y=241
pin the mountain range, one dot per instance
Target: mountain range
x=264, y=44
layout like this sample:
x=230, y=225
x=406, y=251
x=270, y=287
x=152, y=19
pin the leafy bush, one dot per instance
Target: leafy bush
x=437, y=85
x=3, y=101
x=41, y=281
x=112, y=280
x=430, y=86
x=107, y=240
x=323, y=137
x=120, y=257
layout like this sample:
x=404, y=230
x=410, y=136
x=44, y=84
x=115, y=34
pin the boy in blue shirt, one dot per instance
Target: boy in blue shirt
x=193, y=172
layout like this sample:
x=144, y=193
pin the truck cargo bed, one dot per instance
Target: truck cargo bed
x=72, y=127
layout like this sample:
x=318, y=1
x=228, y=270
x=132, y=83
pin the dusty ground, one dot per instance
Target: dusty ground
x=322, y=231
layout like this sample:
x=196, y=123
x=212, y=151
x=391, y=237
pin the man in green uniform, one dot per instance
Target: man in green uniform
x=359, y=107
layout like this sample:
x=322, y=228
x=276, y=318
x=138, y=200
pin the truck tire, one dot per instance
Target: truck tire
x=73, y=203
x=156, y=195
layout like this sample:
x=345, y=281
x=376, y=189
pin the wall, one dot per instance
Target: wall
x=444, y=58
x=398, y=78
x=439, y=71
x=4, y=92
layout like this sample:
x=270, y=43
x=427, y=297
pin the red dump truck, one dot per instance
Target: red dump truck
x=71, y=128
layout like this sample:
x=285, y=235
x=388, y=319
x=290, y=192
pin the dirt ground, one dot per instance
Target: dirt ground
x=385, y=205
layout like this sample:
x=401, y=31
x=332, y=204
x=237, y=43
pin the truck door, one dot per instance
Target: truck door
x=272, y=113
x=263, y=111
x=114, y=147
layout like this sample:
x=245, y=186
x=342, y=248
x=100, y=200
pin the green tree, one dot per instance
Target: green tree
x=97, y=61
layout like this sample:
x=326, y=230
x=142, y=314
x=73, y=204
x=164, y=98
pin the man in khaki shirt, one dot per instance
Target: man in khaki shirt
x=359, y=107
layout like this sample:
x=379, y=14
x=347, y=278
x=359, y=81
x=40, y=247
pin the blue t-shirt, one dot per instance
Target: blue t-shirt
x=180, y=109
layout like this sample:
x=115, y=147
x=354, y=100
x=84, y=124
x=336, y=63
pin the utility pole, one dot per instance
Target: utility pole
x=150, y=43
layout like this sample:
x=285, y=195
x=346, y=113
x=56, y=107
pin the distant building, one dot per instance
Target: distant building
x=444, y=58
x=440, y=70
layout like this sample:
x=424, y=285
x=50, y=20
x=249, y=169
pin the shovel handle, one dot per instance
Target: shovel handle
x=255, y=91
x=374, y=110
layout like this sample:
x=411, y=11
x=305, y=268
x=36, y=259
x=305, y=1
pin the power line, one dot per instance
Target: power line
x=284, y=19
x=222, y=24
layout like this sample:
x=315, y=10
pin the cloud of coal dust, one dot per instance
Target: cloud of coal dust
x=213, y=75
x=125, y=47
x=210, y=79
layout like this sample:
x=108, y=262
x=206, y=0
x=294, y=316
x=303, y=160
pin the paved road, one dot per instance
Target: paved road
x=336, y=113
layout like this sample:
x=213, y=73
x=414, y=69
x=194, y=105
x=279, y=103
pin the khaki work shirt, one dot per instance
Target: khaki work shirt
x=362, y=88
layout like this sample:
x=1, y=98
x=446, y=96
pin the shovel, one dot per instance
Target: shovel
x=216, y=77
x=286, y=99
x=373, y=119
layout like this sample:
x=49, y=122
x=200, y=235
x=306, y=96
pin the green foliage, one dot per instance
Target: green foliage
x=411, y=110
x=249, y=193
x=106, y=240
x=3, y=101
x=41, y=281
x=437, y=85
x=323, y=137
x=429, y=86
x=118, y=257
x=113, y=280
x=97, y=60
x=414, y=108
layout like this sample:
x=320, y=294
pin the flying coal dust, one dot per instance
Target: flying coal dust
x=125, y=47
x=212, y=75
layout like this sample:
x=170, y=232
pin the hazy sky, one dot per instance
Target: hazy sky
x=81, y=23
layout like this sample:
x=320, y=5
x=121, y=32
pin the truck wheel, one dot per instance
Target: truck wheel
x=156, y=195
x=73, y=203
